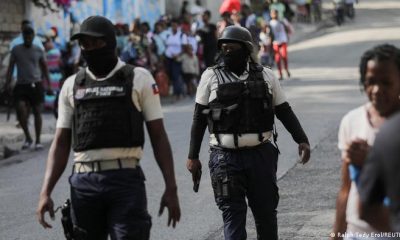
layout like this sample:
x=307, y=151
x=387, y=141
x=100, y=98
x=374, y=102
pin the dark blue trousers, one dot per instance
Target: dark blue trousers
x=175, y=74
x=111, y=203
x=246, y=173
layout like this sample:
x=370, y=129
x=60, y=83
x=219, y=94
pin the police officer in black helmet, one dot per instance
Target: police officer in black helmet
x=238, y=100
x=101, y=114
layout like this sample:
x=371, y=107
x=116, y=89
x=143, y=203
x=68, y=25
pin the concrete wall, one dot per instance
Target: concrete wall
x=11, y=15
x=173, y=7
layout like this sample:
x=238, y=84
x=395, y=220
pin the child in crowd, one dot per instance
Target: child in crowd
x=190, y=69
x=266, y=52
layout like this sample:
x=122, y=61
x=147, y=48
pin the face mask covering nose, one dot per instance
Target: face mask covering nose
x=101, y=60
x=236, y=61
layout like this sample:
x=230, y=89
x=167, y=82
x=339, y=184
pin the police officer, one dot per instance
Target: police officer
x=106, y=105
x=238, y=100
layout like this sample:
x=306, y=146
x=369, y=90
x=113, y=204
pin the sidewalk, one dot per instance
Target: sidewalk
x=308, y=194
x=11, y=137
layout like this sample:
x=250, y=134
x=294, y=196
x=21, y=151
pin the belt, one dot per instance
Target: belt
x=104, y=165
x=244, y=140
x=217, y=147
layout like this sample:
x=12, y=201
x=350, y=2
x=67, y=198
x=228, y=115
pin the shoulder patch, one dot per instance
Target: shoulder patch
x=155, y=89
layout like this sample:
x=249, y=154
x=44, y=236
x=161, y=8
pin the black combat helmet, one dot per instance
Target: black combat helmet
x=236, y=34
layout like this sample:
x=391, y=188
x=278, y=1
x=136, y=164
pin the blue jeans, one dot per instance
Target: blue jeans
x=111, y=203
x=175, y=71
x=251, y=173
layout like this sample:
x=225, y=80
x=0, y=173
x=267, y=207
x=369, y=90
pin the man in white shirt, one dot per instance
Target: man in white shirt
x=174, y=42
x=106, y=105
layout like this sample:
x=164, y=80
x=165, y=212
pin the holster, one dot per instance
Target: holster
x=71, y=232
x=220, y=182
x=227, y=185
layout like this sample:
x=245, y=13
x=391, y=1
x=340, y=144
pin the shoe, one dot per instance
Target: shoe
x=38, y=146
x=280, y=78
x=26, y=145
x=288, y=74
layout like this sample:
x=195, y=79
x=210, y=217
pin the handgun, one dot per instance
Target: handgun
x=196, y=180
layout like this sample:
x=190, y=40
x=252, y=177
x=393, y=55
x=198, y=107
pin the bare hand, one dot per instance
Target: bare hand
x=45, y=205
x=304, y=152
x=356, y=152
x=170, y=200
x=193, y=165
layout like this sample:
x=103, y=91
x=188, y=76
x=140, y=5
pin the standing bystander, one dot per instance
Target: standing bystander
x=380, y=178
x=174, y=43
x=190, y=69
x=380, y=79
x=208, y=34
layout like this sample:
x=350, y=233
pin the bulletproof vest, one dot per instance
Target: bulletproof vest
x=241, y=106
x=104, y=114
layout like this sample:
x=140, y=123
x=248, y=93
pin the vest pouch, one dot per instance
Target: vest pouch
x=223, y=119
x=258, y=89
x=229, y=91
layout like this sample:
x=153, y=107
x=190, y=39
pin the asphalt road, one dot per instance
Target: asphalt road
x=323, y=88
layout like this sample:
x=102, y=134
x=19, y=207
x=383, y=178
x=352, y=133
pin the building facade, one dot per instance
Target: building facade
x=12, y=12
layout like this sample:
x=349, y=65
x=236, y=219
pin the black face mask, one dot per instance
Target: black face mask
x=100, y=61
x=236, y=61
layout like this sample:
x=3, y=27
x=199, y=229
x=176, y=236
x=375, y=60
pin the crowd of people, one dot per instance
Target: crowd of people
x=176, y=50
x=238, y=100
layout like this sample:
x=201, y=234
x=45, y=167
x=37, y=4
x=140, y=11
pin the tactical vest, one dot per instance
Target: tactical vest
x=104, y=114
x=241, y=106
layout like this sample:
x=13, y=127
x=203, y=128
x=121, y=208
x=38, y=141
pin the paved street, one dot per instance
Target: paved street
x=323, y=88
